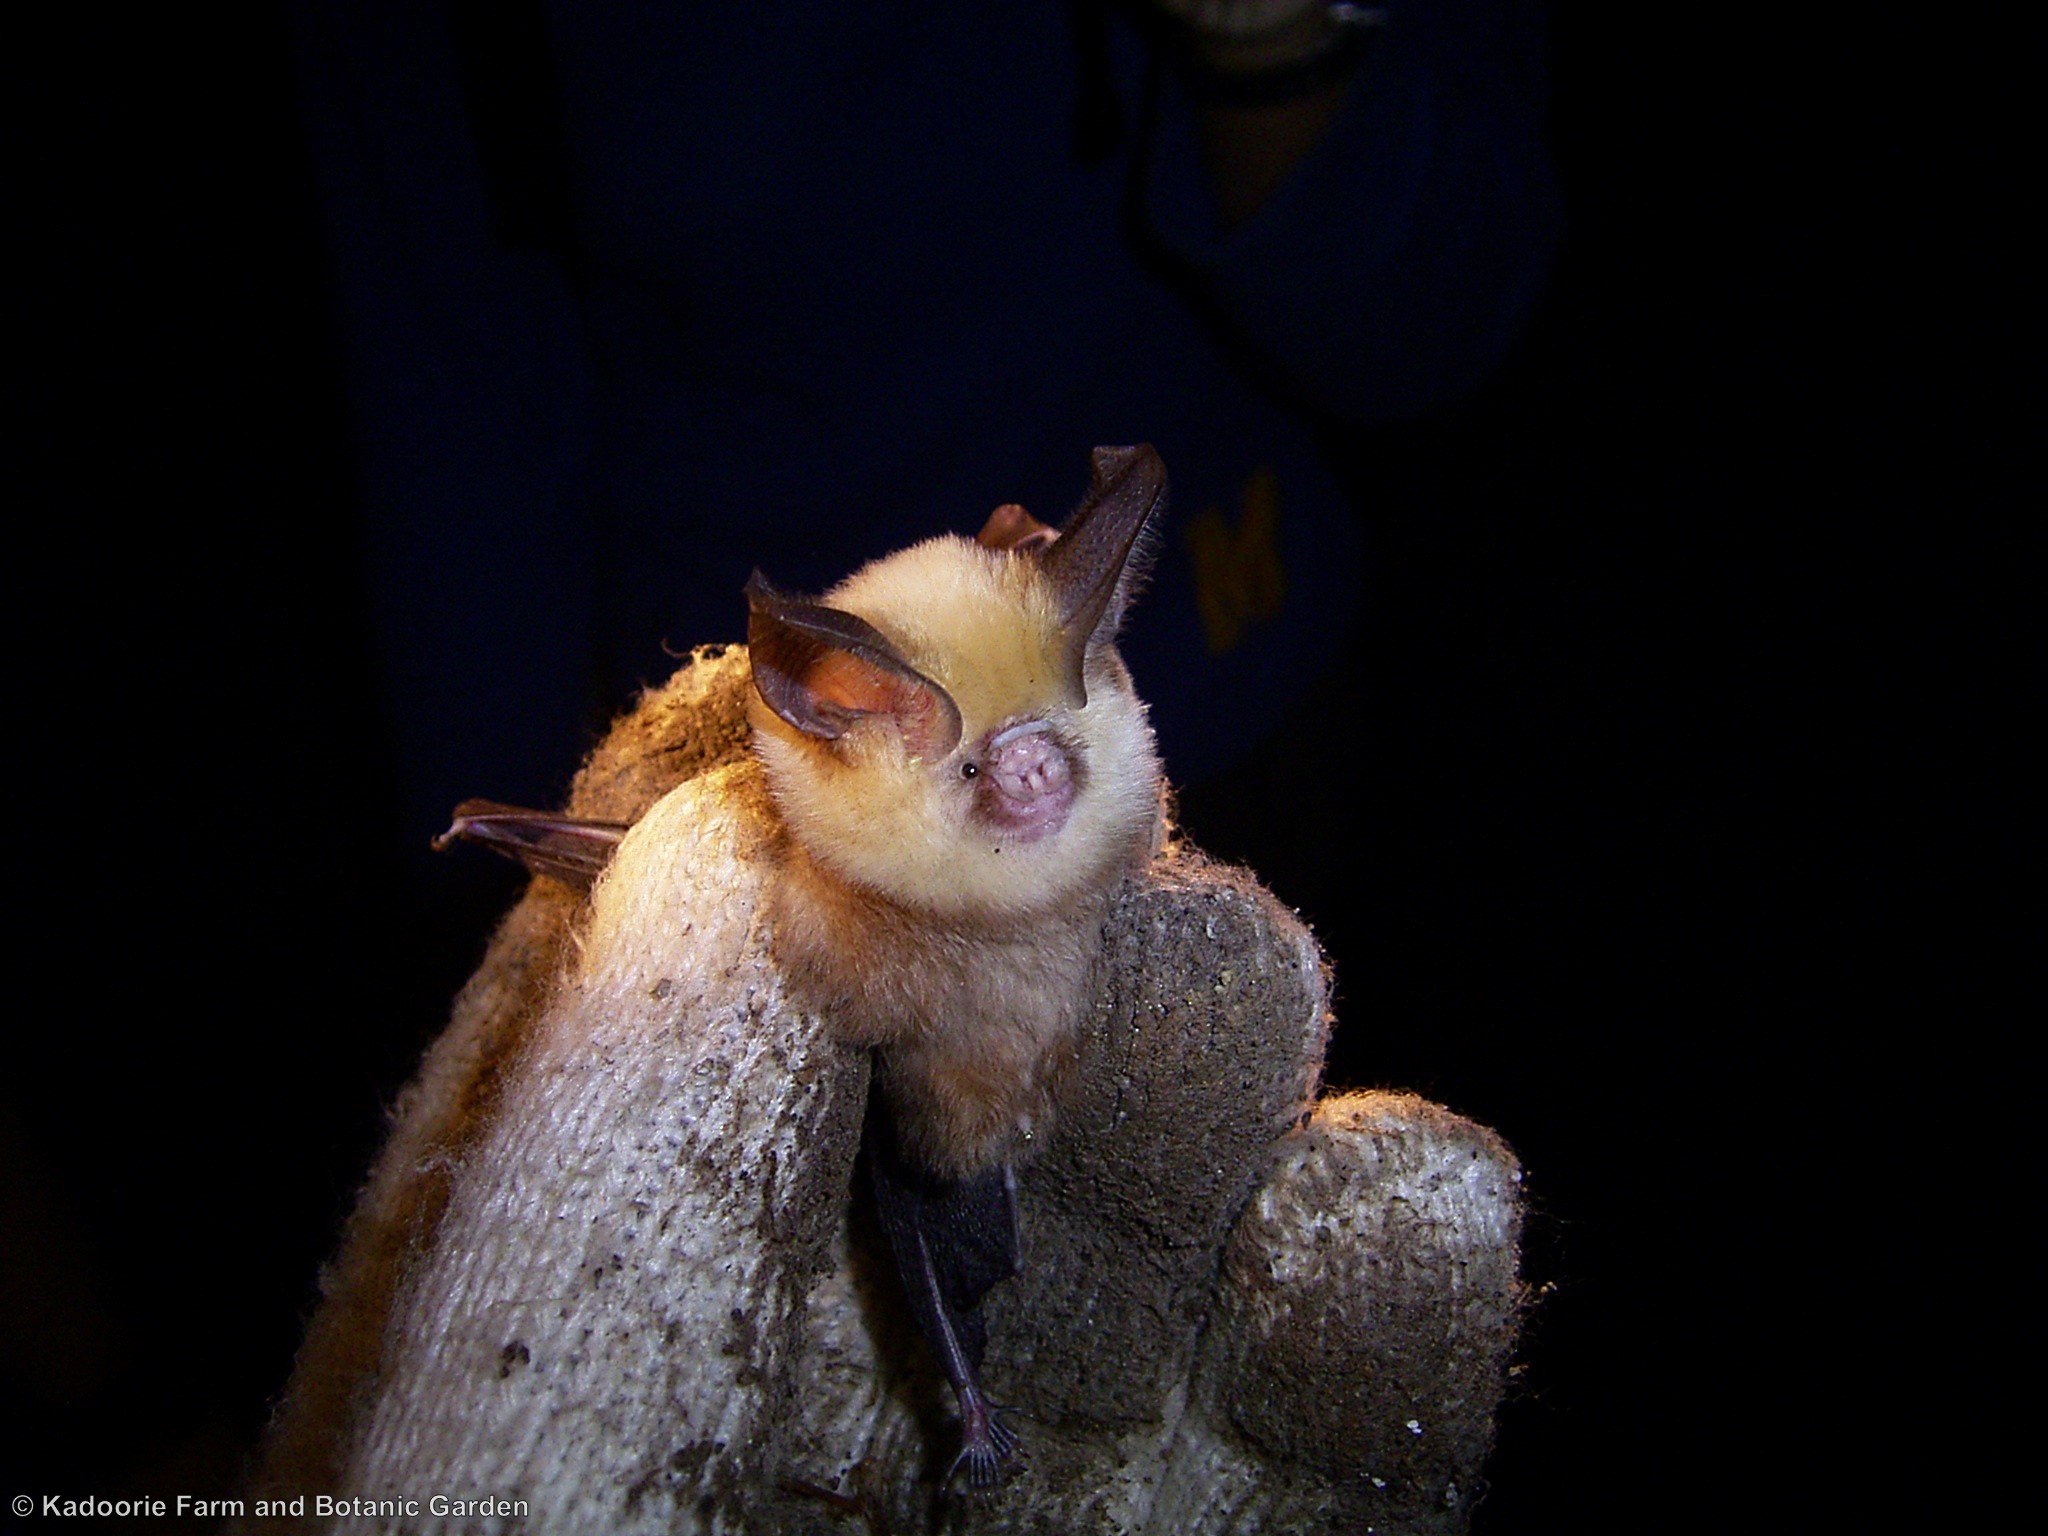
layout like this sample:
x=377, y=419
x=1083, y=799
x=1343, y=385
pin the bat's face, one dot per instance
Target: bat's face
x=951, y=727
x=1032, y=797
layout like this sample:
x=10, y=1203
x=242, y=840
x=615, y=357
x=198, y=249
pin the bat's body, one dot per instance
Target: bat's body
x=964, y=775
x=953, y=844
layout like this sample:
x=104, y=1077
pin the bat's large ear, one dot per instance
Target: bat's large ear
x=823, y=670
x=1100, y=558
x=1011, y=527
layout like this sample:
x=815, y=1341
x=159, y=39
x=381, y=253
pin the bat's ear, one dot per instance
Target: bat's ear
x=1011, y=527
x=823, y=671
x=1100, y=558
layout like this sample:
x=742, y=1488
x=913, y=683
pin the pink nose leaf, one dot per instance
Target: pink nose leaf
x=1027, y=782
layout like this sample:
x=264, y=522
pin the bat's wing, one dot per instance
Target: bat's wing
x=952, y=1240
x=566, y=848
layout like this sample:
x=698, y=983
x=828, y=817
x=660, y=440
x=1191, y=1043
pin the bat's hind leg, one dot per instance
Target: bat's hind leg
x=952, y=1240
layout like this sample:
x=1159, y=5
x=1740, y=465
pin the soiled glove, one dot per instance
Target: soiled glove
x=613, y=1271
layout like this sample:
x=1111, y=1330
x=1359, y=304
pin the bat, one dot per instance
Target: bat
x=963, y=774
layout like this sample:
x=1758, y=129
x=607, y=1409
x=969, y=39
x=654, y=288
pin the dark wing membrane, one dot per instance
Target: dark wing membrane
x=571, y=849
x=952, y=1240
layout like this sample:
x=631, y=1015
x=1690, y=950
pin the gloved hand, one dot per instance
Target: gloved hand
x=614, y=1269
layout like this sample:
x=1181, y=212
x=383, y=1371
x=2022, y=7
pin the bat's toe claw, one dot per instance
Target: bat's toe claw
x=986, y=1464
x=989, y=1448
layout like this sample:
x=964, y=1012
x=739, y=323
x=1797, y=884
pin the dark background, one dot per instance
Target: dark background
x=1669, y=734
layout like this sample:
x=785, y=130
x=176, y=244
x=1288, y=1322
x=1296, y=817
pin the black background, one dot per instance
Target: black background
x=1634, y=822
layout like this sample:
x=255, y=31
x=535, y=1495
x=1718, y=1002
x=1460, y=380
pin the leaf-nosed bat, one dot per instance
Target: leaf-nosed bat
x=963, y=774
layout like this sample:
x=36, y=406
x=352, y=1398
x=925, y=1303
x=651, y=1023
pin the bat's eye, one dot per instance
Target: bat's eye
x=969, y=770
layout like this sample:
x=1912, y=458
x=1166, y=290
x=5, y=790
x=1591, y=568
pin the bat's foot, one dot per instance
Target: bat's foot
x=989, y=1448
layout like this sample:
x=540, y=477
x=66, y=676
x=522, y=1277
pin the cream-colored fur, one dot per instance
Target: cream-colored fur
x=916, y=926
x=981, y=624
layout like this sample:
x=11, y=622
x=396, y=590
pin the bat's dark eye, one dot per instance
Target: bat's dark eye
x=969, y=770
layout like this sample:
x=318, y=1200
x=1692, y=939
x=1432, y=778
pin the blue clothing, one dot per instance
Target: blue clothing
x=829, y=280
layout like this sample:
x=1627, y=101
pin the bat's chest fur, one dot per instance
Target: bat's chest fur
x=976, y=1022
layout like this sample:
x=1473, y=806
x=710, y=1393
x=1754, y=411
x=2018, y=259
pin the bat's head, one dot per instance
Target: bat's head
x=951, y=727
